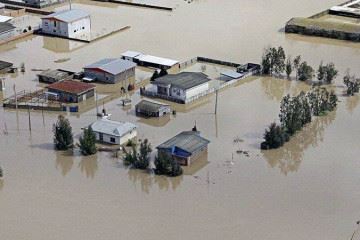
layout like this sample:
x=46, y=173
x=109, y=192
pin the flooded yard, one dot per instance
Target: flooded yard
x=308, y=189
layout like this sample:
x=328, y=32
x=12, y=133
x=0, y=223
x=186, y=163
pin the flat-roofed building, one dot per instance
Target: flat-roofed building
x=51, y=76
x=7, y=31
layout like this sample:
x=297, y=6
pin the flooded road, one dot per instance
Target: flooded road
x=308, y=189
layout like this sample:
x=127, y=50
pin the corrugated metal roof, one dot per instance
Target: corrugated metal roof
x=232, y=74
x=112, y=128
x=150, y=106
x=5, y=27
x=157, y=60
x=57, y=74
x=189, y=141
x=112, y=65
x=68, y=15
x=5, y=18
x=131, y=54
x=4, y=65
x=183, y=80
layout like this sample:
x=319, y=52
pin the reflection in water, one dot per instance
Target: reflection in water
x=156, y=121
x=352, y=102
x=1, y=183
x=64, y=162
x=276, y=89
x=89, y=165
x=147, y=180
x=289, y=157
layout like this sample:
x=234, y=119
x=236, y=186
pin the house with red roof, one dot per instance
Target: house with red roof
x=71, y=91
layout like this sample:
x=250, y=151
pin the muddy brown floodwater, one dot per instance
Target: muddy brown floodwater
x=308, y=189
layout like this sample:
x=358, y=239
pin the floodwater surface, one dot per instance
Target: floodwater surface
x=308, y=189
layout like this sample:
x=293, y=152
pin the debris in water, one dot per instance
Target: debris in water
x=246, y=153
x=238, y=140
x=61, y=60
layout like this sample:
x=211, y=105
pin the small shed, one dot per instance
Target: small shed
x=71, y=91
x=155, y=62
x=5, y=66
x=51, y=76
x=186, y=147
x=113, y=132
x=130, y=55
x=148, y=108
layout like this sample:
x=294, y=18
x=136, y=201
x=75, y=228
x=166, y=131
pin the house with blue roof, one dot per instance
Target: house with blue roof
x=110, y=70
x=72, y=24
x=185, y=148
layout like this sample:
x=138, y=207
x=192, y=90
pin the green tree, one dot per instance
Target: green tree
x=288, y=67
x=166, y=165
x=141, y=159
x=279, y=60
x=63, y=137
x=163, y=72
x=305, y=72
x=154, y=76
x=266, y=62
x=321, y=72
x=297, y=61
x=327, y=73
x=352, y=84
x=274, y=137
x=88, y=142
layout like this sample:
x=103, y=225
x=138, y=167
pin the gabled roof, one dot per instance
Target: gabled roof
x=112, y=65
x=150, y=106
x=189, y=141
x=68, y=15
x=71, y=86
x=112, y=128
x=183, y=80
x=5, y=27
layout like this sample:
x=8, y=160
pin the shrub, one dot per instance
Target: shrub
x=305, y=72
x=166, y=165
x=352, y=84
x=87, y=142
x=141, y=159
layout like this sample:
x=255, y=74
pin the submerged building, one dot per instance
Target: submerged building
x=148, y=108
x=52, y=76
x=71, y=91
x=181, y=87
x=185, y=148
x=113, y=132
x=73, y=24
x=110, y=70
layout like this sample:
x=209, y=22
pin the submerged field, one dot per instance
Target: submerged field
x=308, y=189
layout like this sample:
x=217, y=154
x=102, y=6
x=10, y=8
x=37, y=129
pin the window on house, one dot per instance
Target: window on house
x=55, y=24
x=83, y=27
x=112, y=140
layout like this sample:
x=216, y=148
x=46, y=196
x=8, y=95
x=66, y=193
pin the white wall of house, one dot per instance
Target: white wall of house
x=118, y=140
x=197, y=90
x=71, y=30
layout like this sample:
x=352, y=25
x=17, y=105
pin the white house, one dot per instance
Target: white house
x=73, y=24
x=113, y=132
x=182, y=86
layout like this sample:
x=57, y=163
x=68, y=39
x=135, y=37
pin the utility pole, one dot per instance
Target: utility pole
x=70, y=4
x=29, y=118
x=216, y=100
x=16, y=102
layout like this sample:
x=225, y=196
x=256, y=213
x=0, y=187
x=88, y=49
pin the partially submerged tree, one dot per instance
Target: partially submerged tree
x=352, y=84
x=273, y=60
x=305, y=72
x=326, y=73
x=288, y=67
x=297, y=61
x=1, y=173
x=63, y=137
x=139, y=159
x=88, y=142
x=166, y=165
x=275, y=136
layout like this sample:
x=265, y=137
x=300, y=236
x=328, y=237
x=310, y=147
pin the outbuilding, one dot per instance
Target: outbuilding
x=51, y=76
x=185, y=148
x=73, y=24
x=155, y=62
x=7, y=31
x=5, y=66
x=110, y=70
x=148, y=108
x=71, y=91
x=113, y=132
x=130, y=55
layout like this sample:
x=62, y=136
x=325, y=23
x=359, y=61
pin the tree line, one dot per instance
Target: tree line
x=296, y=112
x=275, y=62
